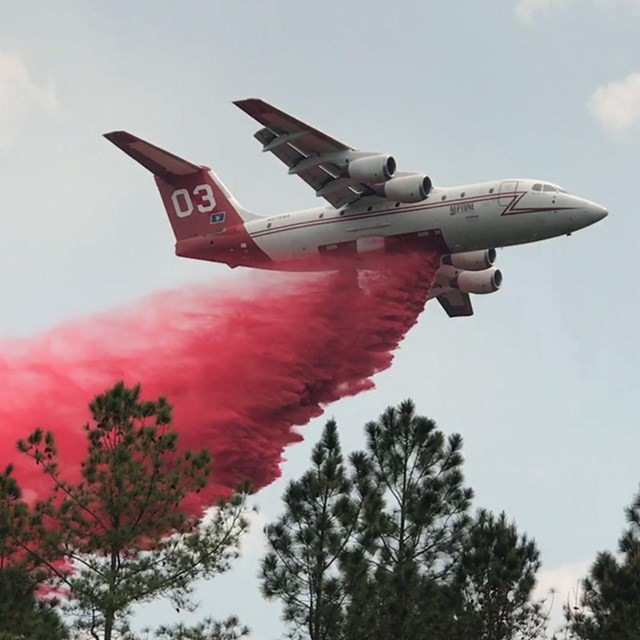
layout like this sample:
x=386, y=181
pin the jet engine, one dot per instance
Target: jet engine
x=471, y=260
x=371, y=169
x=486, y=281
x=414, y=187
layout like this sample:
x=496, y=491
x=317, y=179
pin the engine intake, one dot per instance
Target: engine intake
x=471, y=260
x=409, y=188
x=486, y=281
x=371, y=169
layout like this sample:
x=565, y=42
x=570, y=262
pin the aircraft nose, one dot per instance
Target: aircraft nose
x=595, y=212
x=599, y=212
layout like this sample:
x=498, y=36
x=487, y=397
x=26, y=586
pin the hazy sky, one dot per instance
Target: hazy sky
x=541, y=382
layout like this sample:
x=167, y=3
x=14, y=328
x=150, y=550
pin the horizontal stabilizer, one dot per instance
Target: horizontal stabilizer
x=160, y=162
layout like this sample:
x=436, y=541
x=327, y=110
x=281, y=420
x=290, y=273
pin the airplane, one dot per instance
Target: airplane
x=371, y=208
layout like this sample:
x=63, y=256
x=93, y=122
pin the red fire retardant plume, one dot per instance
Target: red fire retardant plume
x=239, y=369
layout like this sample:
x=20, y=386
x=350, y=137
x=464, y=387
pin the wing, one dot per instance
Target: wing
x=307, y=152
x=453, y=301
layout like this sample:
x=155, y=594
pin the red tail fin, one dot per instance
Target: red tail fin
x=197, y=203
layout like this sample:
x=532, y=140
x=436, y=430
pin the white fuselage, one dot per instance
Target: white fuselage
x=462, y=218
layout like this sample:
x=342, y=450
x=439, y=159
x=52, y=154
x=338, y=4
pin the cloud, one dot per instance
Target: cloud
x=254, y=542
x=565, y=583
x=617, y=105
x=614, y=4
x=528, y=10
x=20, y=97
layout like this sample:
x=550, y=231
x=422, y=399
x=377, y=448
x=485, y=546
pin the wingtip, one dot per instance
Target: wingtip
x=248, y=104
x=244, y=100
x=120, y=138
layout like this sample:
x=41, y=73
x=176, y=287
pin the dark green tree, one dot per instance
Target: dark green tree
x=352, y=539
x=22, y=615
x=12, y=512
x=383, y=547
x=495, y=579
x=306, y=543
x=609, y=607
x=208, y=629
x=120, y=531
x=414, y=538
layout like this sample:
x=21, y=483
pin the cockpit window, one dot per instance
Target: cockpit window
x=548, y=188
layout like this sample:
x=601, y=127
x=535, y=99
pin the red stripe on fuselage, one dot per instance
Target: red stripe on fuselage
x=365, y=215
x=510, y=209
x=236, y=247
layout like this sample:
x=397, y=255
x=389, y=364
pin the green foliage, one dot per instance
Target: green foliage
x=414, y=532
x=229, y=629
x=425, y=502
x=308, y=539
x=22, y=616
x=495, y=578
x=14, y=551
x=375, y=548
x=120, y=531
x=610, y=602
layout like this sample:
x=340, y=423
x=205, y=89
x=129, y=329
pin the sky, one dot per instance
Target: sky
x=541, y=382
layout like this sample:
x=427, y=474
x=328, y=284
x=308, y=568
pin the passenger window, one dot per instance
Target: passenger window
x=537, y=187
x=548, y=187
x=443, y=198
x=491, y=190
x=463, y=194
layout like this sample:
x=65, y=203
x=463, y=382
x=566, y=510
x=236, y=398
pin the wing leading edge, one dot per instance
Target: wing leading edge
x=306, y=151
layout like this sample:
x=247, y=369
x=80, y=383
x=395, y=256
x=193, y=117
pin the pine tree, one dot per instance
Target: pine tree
x=11, y=508
x=208, y=629
x=495, y=579
x=610, y=601
x=383, y=548
x=411, y=541
x=308, y=540
x=22, y=615
x=352, y=539
x=120, y=532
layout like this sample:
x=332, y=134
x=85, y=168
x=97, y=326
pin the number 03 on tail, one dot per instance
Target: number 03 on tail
x=371, y=208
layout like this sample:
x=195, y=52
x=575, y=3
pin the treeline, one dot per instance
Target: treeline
x=384, y=543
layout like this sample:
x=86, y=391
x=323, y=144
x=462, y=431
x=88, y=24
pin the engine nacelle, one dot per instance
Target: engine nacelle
x=412, y=188
x=471, y=260
x=372, y=169
x=486, y=281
